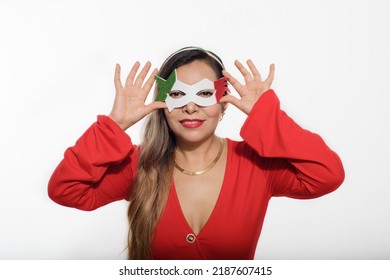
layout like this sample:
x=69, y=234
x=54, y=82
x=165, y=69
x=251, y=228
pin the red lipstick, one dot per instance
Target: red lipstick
x=191, y=123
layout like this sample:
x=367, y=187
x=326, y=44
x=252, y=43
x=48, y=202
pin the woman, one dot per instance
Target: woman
x=192, y=194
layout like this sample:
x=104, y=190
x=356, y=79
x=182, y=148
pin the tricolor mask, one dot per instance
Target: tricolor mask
x=177, y=94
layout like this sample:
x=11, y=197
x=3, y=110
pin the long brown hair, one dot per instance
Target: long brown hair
x=156, y=162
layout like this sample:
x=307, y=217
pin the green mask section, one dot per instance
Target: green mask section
x=165, y=86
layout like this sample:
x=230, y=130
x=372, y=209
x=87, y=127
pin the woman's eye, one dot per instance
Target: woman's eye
x=205, y=94
x=176, y=94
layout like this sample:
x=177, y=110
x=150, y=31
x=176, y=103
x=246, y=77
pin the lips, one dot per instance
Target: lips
x=191, y=123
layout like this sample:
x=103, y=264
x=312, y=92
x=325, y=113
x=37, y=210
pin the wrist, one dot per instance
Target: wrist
x=122, y=125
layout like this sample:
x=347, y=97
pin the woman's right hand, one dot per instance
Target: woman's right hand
x=129, y=105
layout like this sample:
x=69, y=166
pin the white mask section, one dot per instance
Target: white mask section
x=201, y=93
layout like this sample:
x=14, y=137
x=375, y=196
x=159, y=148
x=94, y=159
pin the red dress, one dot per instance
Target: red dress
x=276, y=158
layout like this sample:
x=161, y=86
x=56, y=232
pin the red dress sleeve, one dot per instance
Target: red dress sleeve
x=297, y=162
x=100, y=168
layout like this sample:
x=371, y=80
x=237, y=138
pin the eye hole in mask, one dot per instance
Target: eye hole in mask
x=207, y=93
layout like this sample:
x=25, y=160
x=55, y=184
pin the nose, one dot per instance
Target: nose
x=190, y=108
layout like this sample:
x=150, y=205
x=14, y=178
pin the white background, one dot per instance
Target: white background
x=57, y=60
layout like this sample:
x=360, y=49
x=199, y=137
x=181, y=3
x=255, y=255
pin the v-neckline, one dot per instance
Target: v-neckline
x=217, y=202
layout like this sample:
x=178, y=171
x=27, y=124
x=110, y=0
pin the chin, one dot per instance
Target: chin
x=194, y=136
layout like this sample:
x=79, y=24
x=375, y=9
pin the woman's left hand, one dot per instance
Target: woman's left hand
x=252, y=90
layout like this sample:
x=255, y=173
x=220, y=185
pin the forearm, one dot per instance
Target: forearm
x=96, y=170
x=314, y=168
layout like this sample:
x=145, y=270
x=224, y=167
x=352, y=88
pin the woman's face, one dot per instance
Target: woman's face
x=193, y=123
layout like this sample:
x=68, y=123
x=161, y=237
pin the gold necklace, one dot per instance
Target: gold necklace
x=204, y=170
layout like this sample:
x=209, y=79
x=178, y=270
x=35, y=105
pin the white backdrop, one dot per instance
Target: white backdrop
x=57, y=61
